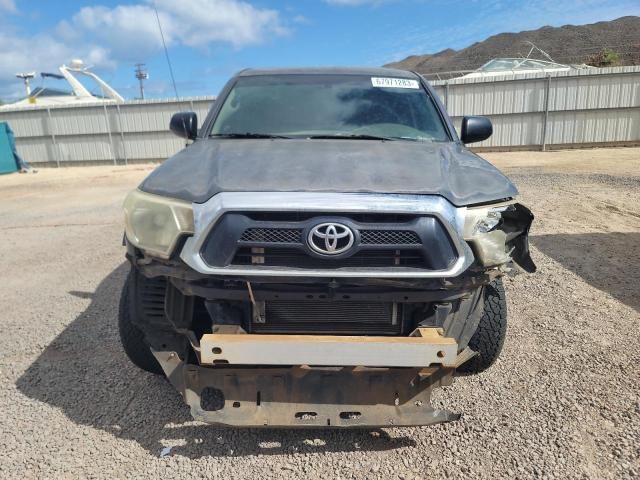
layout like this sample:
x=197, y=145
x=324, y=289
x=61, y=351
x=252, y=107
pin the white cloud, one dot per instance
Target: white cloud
x=103, y=36
x=194, y=23
x=301, y=20
x=356, y=3
x=42, y=53
x=8, y=6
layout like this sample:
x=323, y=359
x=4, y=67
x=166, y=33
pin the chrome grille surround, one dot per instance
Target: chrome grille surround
x=208, y=213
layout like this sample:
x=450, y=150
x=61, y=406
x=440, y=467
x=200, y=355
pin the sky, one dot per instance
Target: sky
x=210, y=40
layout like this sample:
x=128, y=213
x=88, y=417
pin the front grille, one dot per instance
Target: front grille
x=291, y=257
x=294, y=236
x=330, y=317
x=279, y=239
x=389, y=237
x=272, y=235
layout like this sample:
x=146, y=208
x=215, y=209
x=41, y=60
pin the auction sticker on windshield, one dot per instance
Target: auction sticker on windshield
x=394, y=82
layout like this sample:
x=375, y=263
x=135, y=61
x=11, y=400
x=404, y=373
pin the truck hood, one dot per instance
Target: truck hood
x=211, y=166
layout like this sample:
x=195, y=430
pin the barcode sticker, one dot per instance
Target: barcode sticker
x=394, y=82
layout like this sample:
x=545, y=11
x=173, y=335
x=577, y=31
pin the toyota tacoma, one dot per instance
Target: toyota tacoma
x=325, y=252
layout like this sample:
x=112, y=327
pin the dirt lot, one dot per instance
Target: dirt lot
x=562, y=402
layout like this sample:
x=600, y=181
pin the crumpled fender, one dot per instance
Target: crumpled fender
x=518, y=220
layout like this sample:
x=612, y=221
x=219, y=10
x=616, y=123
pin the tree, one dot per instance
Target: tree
x=604, y=58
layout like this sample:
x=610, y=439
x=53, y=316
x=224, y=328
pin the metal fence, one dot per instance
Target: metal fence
x=135, y=131
x=558, y=110
x=536, y=111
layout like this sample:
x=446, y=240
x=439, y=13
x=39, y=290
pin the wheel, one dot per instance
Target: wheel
x=489, y=337
x=131, y=337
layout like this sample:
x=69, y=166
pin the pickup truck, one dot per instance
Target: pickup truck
x=325, y=252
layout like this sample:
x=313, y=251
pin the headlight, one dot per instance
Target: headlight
x=154, y=223
x=482, y=229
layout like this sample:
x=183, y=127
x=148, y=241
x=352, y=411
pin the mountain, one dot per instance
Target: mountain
x=567, y=44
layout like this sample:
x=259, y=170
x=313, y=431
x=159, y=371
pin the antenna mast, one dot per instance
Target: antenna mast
x=26, y=78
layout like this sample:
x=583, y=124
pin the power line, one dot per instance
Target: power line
x=166, y=52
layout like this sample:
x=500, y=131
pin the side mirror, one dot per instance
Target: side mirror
x=185, y=125
x=475, y=129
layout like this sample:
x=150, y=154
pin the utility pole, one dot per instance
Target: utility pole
x=141, y=75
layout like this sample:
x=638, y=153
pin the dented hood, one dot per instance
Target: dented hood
x=211, y=166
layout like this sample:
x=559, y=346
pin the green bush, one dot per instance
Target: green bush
x=604, y=58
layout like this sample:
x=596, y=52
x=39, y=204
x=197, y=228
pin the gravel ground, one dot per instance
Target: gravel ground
x=562, y=401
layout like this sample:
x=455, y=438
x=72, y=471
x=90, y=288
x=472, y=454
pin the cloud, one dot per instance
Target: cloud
x=42, y=53
x=301, y=20
x=194, y=23
x=8, y=6
x=356, y=3
x=104, y=36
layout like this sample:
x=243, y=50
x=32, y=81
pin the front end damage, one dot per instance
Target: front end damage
x=255, y=329
x=292, y=393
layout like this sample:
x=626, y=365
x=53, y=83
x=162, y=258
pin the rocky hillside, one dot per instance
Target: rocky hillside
x=567, y=44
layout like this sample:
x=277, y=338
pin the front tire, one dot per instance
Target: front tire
x=489, y=337
x=131, y=337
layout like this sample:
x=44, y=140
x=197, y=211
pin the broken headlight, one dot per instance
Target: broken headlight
x=154, y=223
x=498, y=234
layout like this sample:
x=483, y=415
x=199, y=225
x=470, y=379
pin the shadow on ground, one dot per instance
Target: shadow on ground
x=608, y=261
x=85, y=373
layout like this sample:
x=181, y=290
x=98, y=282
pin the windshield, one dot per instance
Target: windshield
x=330, y=105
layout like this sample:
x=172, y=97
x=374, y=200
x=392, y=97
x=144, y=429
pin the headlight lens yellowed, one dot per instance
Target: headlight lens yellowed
x=154, y=223
x=488, y=242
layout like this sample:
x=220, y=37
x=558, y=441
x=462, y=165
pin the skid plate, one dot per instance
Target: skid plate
x=308, y=397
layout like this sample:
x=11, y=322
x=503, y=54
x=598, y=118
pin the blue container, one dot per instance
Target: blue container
x=8, y=162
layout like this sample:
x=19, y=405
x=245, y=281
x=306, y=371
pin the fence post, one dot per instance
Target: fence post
x=545, y=120
x=106, y=121
x=124, y=146
x=53, y=138
x=446, y=95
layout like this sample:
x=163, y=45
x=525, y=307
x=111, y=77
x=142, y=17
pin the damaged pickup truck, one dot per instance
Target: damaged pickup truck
x=325, y=252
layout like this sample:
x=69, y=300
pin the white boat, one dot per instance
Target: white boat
x=78, y=93
x=520, y=66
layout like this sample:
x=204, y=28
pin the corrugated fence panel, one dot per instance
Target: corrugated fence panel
x=588, y=126
x=136, y=130
x=79, y=121
x=584, y=107
x=29, y=123
x=85, y=148
x=517, y=130
x=152, y=145
x=35, y=149
x=581, y=93
x=495, y=98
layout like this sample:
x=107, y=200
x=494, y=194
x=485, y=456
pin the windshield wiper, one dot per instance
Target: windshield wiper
x=246, y=135
x=350, y=137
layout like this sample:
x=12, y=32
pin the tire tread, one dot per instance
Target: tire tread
x=489, y=338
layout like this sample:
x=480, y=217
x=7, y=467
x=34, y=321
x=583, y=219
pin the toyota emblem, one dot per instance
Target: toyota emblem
x=330, y=238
